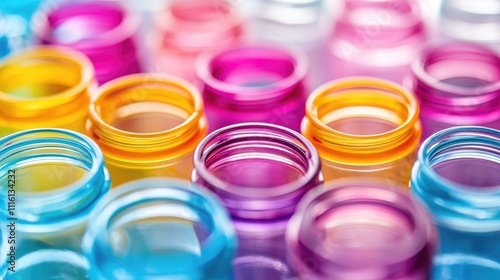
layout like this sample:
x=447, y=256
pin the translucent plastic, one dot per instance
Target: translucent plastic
x=300, y=23
x=51, y=180
x=260, y=172
x=100, y=29
x=253, y=83
x=187, y=28
x=464, y=20
x=359, y=230
x=456, y=175
x=159, y=228
x=15, y=30
x=147, y=125
x=457, y=84
x=364, y=127
x=45, y=87
x=376, y=38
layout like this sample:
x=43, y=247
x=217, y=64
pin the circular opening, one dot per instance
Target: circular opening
x=232, y=161
x=36, y=76
x=44, y=160
x=362, y=225
x=467, y=156
x=145, y=106
x=252, y=67
x=363, y=110
x=466, y=69
x=158, y=227
x=256, y=159
x=200, y=11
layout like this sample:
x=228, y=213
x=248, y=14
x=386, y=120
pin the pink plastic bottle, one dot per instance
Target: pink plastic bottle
x=375, y=38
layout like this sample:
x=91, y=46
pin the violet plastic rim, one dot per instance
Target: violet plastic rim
x=252, y=192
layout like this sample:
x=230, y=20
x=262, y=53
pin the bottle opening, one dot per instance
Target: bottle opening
x=146, y=105
x=253, y=161
x=258, y=170
x=468, y=156
x=353, y=229
x=56, y=173
x=252, y=67
x=76, y=23
x=464, y=67
x=158, y=227
x=34, y=75
x=44, y=162
x=360, y=113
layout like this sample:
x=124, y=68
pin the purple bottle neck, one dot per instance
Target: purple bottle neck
x=457, y=78
x=359, y=230
x=259, y=171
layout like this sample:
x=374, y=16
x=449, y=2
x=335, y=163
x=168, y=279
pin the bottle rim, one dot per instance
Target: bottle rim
x=97, y=175
x=142, y=191
x=239, y=93
x=430, y=146
x=347, y=193
x=58, y=54
x=42, y=27
x=254, y=129
x=450, y=51
x=161, y=140
x=328, y=139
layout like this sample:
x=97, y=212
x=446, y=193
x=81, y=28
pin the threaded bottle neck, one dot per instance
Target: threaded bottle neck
x=457, y=176
x=458, y=78
x=45, y=81
x=240, y=164
x=360, y=230
x=58, y=176
x=148, y=115
x=362, y=120
x=172, y=228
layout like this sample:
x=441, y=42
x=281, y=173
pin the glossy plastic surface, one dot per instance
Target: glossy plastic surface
x=360, y=230
x=56, y=178
x=100, y=29
x=364, y=127
x=159, y=228
x=45, y=87
x=456, y=84
x=457, y=177
x=253, y=83
x=187, y=28
x=147, y=125
x=260, y=172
